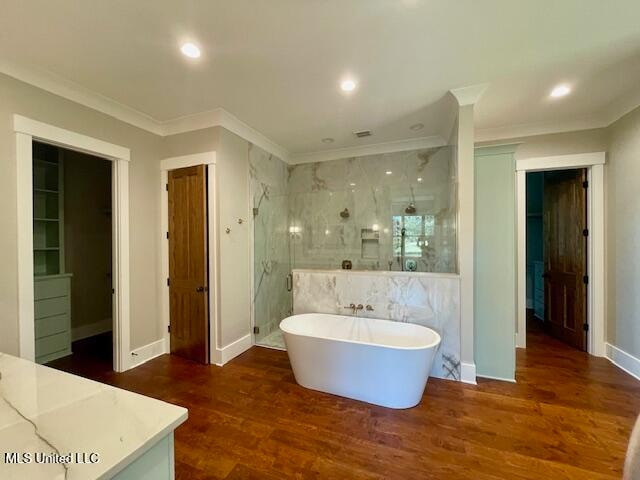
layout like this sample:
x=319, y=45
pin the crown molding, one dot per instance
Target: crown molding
x=617, y=109
x=371, y=149
x=621, y=106
x=543, y=128
x=468, y=95
x=219, y=117
x=78, y=94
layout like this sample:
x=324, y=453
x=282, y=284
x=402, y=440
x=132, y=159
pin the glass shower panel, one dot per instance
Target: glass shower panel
x=272, y=296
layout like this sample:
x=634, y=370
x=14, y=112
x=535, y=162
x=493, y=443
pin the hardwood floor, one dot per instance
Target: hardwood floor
x=569, y=416
x=91, y=356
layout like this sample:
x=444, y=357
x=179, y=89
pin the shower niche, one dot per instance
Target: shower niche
x=370, y=244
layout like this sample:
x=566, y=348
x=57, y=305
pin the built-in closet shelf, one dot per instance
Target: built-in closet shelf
x=46, y=190
x=46, y=162
x=52, y=286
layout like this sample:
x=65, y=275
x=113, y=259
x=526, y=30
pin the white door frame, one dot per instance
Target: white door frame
x=27, y=130
x=596, y=294
x=172, y=163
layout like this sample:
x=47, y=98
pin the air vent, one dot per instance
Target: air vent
x=362, y=133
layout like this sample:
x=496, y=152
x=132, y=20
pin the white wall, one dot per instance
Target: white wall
x=18, y=97
x=623, y=234
x=232, y=166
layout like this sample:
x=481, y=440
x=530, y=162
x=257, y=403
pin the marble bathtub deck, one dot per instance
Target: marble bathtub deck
x=48, y=411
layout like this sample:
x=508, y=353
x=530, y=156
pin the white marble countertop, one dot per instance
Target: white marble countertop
x=52, y=412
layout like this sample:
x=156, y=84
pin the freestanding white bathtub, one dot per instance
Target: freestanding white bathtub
x=377, y=361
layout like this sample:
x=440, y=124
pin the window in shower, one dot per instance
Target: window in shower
x=418, y=232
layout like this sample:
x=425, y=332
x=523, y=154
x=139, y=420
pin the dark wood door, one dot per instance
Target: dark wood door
x=188, y=285
x=565, y=255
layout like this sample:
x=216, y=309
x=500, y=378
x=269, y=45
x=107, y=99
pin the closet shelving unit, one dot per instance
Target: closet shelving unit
x=52, y=285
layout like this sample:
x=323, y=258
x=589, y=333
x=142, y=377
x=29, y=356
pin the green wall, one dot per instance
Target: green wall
x=495, y=262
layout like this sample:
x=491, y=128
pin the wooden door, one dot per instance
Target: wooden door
x=565, y=256
x=188, y=280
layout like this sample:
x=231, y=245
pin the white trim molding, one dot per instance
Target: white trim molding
x=231, y=351
x=596, y=289
x=371, y=149
x=143, y=354
x=219, y=117
x=532, y=129
x=25, y=131
x=167, y=164
x=468, y=95
x=521, y=260
x=560, y=162
x=623, y=360
x=172, y=163
x=502, y=379
x=468, y=373
x=74, y=92
x=68, y=139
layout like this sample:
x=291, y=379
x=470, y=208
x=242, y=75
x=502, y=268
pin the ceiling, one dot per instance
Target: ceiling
x=277, y=64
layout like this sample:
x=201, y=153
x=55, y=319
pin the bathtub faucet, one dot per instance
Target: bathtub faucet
x=354, y=308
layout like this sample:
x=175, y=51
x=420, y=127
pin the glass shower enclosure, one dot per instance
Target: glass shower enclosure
x=272, y=280
x=394, y=211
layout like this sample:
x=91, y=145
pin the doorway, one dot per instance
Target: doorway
x=591, y=166
x=188, y=279
x=26, y=131
x=557, y=236
x=72, y=258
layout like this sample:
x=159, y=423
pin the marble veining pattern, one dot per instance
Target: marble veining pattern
x=429, y=300
x=44, y=410
x=376, y=190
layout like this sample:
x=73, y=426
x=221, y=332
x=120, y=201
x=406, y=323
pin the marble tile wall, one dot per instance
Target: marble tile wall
x=374, y=189
x=269, y=191
x=432, y=300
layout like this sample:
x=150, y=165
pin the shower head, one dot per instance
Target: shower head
x=411, y=209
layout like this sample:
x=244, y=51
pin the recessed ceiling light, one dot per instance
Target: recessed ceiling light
x=388, y=172
x=560, y=91
x=327, y=140
x=352, y=184
x=419, y=179
x=416, y=126
x=348, y=85
x=190, y=50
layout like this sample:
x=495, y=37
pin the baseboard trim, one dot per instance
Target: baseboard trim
x=147, y=352
x=623, y=360
x=502, y=379
x=225, y=354
x=468, y=373
x=91, y=329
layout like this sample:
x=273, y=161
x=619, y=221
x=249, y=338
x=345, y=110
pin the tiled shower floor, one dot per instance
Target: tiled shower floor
x=274, y=340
